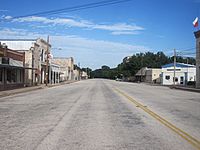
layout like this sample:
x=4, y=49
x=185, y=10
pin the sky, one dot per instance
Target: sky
x=104, y=35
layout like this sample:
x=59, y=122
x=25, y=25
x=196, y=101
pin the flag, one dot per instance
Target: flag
x=195, y=22
x=50, y=56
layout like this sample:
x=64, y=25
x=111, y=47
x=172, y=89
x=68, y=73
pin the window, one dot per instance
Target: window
x=1, y=76
x=19, y=76
x=176, y=79
x=14, y=76
x=181, y=80
x=11, y=75
x=8, y=75
x=42, y=55
x=167, y=77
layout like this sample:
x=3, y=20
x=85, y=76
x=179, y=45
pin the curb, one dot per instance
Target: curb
x=28, y=89
x=186, y=89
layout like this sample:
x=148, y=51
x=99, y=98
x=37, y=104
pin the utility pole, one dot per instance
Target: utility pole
x=174, y=67
x=79, y=71
x=32, y=75
x=47, y=63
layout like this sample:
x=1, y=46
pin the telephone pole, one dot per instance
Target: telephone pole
x=47, y=63
x=174, y=79
x=79, y=65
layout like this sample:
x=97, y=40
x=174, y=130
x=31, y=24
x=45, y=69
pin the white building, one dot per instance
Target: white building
x=66, y=67
x=54, y=73
x=183, y=74
x=76, y=74
x=149, y=75
x=153, y=75
x=84, y=75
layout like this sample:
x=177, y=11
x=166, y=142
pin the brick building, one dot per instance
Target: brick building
x=12, y=68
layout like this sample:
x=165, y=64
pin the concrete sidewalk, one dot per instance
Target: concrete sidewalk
x=185, y=88
x=27, y=89
x=191, y=89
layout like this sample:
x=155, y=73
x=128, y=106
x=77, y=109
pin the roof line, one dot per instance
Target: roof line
x=18, y=39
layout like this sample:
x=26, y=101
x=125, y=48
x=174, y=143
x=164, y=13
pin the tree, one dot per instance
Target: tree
x=136, y=62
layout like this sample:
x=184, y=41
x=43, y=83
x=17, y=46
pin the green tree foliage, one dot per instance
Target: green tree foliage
x=129, y=67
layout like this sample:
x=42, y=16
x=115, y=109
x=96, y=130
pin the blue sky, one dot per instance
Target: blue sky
x=105, y=35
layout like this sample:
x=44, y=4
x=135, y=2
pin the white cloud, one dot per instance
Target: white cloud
x=124, y=33
x=117, y=29
x=6, y=32
x=94, y=53
x=6, y=17
x=90, y=52
x=18, y=33
x=3, y=10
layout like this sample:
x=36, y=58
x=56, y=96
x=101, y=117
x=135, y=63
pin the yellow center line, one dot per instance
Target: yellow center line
x=183, y=134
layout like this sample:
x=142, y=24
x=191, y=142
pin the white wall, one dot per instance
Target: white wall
x=188, y=74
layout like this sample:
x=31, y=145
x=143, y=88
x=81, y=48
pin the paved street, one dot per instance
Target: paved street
x=93, y=115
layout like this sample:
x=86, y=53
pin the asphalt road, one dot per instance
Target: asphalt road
x=93, y=115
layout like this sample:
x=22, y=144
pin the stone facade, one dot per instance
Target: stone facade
x=66, y=67
x=197, y=35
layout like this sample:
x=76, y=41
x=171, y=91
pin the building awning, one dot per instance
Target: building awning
x=9, y=66
x=30, y=68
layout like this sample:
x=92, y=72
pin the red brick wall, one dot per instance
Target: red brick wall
x=20, y=56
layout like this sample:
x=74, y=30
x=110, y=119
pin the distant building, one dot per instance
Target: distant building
x=149, y=75
x=183, y=74
x=141, y=74
x=76, y=74
x=153, y=75
x=54, y=73
x=66, y=67
x=84, y=75
x=197, y=35
x=11, y=68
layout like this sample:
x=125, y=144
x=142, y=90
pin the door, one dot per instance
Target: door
x=182, y=80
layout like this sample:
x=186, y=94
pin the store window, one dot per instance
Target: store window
x=11, y=75
x=19, y=76
x=1, y=76
x=176, y=79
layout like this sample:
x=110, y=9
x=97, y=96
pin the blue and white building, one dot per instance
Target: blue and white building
x=183, y=74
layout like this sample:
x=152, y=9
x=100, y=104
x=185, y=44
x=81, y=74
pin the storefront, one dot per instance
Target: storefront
x=11, y=69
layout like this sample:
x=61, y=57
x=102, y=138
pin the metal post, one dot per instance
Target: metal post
x=174, y=66
x=47, y=62
x=32, y=50
x=79, y=70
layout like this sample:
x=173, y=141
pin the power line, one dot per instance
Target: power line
x=193, y=48
x=73, y=8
